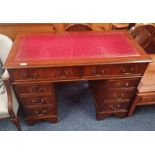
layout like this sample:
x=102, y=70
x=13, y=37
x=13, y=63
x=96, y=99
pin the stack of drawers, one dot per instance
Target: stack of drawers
x=38, y=101
x=114, y=94
x=113, y=97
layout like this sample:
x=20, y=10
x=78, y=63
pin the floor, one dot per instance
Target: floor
x=77, y=113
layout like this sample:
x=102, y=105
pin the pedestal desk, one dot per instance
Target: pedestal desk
x=111, y=61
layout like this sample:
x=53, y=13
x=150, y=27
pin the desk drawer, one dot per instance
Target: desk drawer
x=39, y=100
x=35, y=74
x=27, y=89
x=115, y=106
x=99, y=71
x=147, y=99
x=118, y=95
x=122, y=83
x=65, y=73
x=38, y=111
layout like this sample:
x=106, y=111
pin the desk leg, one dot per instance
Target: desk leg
x=133, y=106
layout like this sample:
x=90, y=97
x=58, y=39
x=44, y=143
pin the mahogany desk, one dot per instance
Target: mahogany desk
x=111, y=61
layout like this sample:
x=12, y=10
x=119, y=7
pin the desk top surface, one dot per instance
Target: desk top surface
x=72, y=48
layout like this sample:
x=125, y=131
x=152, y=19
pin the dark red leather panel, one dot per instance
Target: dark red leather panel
x=74, y=45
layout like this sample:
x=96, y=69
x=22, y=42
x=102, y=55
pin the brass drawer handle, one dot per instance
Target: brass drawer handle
x=126, y=84
x=67, y=74
x=36, y=112
x=44, y=111
x=94, y=72
x=118, y=97
x=115, y=95
x=103, y=71
x=115, y=108
x=38, y=100
x=35, y=89
x=62, y=75
x=127, y=71
x=35, y=75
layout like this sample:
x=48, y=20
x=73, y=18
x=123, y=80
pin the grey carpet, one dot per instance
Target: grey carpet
x=77, y=113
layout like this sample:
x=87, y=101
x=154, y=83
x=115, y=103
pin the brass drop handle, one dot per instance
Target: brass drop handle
x=124, y=71
x=44, y=111
x=34, y=101
x=122, y=95
x=118, y=106
x=63, y=75
x=118, y=97
x=42, y=100
x=35, y=75
x=36, y=112
x=35, y=89
x=127, y=84
x=111, y=106
x=115, y=95
x=67, y=74
x=115, y=108
x=94, y=71
x=103, y=71
x=32, y=76
x=38, y=100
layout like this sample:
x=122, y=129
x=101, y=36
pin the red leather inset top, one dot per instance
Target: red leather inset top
x=74, y=46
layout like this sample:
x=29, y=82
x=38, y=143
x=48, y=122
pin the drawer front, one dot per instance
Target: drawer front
x=45, y=73
x=122, y=84
x=147, y=99
x=119, y=95
x=94, y=71
x=33, y=88
x=39, y=111
x=115, y=106
x=40, y=100
x=113, y=70
x=66, y=73
x=31, y=74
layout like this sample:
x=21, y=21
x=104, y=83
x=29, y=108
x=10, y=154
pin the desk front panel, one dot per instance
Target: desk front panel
x=77, y=73
x=113, y=84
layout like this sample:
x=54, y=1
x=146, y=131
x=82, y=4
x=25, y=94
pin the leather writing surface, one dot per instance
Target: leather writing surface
x=74, y=45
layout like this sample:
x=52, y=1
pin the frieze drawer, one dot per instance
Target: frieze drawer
x=35, y=74
x=100, y=71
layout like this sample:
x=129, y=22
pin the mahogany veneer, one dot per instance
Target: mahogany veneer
x=111, y=61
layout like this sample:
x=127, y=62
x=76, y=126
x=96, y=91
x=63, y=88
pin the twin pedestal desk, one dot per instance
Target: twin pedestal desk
x=111, y=61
